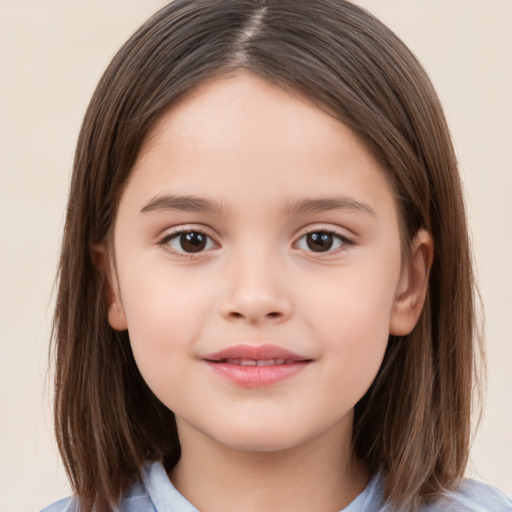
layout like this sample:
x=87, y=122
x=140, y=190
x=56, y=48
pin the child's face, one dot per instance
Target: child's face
x=252, y=218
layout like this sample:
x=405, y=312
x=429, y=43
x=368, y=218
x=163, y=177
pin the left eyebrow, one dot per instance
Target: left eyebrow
x=313, y=205
x=187, y=203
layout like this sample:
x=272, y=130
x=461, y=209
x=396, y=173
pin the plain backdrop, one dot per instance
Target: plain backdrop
x=52, y=53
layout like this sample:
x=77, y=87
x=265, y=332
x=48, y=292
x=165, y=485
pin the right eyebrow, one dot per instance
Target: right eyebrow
x=187, y=203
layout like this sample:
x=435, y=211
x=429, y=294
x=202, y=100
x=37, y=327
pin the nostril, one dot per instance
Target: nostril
x=236, y=315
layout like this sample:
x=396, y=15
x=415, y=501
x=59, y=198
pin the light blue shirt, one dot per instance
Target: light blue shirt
x=155, y=493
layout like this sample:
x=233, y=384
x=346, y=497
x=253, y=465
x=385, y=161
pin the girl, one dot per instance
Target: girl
x=266, y=294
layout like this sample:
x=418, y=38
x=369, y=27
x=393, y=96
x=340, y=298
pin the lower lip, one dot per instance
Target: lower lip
x=257, y=376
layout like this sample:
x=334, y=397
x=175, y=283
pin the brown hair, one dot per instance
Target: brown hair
x=414, y=422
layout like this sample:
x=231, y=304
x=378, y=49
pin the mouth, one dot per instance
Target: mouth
x=256, y=362
x=256, y=366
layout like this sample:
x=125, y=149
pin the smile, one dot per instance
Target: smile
x=258, y=362
x=256, y=366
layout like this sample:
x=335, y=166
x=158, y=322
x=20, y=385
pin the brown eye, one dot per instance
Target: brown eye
x=189, y=242
x=320, y=242
x=193, y=242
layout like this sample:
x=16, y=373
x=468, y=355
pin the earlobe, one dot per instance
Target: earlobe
x=413, y=285
x=116, y=314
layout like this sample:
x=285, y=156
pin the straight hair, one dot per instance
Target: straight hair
x=413, y=424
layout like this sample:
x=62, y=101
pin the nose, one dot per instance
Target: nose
x=256, y=292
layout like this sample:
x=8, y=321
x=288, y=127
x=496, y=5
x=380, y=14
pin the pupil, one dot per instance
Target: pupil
x=319, y=242
x=193, y=242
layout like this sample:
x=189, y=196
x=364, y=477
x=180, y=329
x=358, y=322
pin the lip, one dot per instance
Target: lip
x=256, y=366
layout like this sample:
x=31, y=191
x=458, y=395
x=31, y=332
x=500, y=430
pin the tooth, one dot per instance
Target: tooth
x=258, y=362
x=265, y=362
x=247, y=362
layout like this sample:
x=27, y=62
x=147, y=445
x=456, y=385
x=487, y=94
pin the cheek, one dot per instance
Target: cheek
x=354, y=328
x=165, y=318
x=351, y=315
x=358, y=298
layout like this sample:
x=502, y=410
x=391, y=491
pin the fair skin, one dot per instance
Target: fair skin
x=294, y=243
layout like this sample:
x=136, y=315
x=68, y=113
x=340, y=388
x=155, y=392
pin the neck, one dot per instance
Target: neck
x=322, y=474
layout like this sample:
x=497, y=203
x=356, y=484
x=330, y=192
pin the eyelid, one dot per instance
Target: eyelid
x=348, y=240
x=175, y=232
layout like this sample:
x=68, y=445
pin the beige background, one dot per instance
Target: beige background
x=52, y=53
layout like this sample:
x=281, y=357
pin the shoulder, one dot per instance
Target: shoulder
x=135, y=499
x=151, y=492
x=64, y=505
x=473, y=496
x=469, y=496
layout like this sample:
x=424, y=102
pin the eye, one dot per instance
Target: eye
x=322, y=241
x=189, y=242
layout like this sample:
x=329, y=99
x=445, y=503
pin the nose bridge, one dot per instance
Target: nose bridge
x=256, y=290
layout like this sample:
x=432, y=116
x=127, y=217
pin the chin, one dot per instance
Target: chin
x=261, y=446
x=264, y=439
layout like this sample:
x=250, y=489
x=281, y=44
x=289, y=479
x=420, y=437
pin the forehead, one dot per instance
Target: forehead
x=243, y=131
x=226, y=109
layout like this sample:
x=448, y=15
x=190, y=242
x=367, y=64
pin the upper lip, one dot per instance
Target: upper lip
x=256, y=352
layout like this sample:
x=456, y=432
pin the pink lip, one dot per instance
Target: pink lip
x=256, y=366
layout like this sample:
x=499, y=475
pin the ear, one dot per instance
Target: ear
x=116, y=314
x=413, y=285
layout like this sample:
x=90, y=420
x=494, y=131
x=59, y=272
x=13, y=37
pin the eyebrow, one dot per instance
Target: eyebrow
x=186, y=203
x=314, y=205
x=190, y=203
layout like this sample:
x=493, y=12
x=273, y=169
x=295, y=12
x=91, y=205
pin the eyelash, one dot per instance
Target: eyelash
x=164, y=242
x=343, y=241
